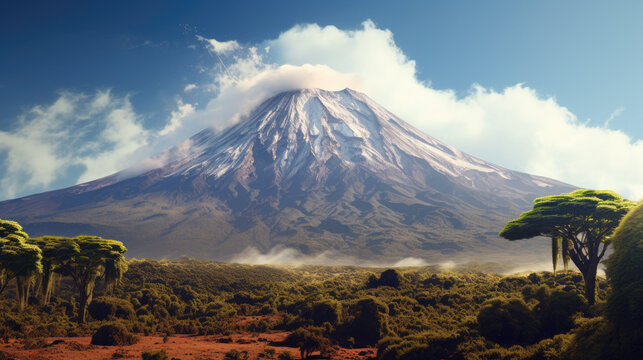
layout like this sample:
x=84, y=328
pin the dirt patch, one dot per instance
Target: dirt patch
x=184, y=347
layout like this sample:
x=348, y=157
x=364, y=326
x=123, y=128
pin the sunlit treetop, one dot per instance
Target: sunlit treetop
x=597, y=211
x=12, y=231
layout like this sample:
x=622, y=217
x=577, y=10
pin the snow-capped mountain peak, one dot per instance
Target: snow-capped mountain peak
x=304, y=129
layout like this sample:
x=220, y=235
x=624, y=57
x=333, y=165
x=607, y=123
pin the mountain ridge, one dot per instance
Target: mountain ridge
x=311, y=169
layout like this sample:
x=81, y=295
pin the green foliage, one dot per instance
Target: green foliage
x=389, y=277
x=110, y=308
x=327, y=311
x=114, y=334
x=308, y=340
x=96, y=258
x=585, y=218
x=56, y=251
x=236, y=355
x=154, y=355
x=369, y=322
x=18, y=260
x=594, y=339
x=555, y=312
x=425, y=345
x=625, y=275
x=508, y=322
x=431, y=313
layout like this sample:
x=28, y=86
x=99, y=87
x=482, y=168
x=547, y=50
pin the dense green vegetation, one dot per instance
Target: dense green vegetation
x=463, y=314
x=619, y=333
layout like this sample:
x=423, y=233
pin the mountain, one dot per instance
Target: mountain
x=310, y=169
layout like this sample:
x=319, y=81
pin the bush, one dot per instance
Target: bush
x=308, y=341
x=555, y=312
x=624, y=271
x=236, y=355
x=155, y=355
x=389, y=277
x=428, y=345
x=34, y=343
x=322, y=312
x=369, y=324
x=113, y=335
x=593, y=339
x=110, y=308
x=508, y=322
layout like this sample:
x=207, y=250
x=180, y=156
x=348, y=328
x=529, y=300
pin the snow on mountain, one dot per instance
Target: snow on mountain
x=308, y=169
x=304, y=128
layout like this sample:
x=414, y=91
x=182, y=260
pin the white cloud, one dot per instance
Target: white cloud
x=280, y=255
x=516, y=127
x=177, y=117
x=93, y=134
x=190, y=87
x=220, y=47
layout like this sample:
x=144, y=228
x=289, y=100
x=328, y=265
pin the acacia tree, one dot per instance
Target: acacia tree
x=18, y=260
x=97, y=258
x=584, y=219
x=56, y=251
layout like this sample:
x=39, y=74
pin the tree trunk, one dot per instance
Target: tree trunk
x=590, y=284
x=48, y=282
x=85, y=299
x=22, y=287
x=86, y=292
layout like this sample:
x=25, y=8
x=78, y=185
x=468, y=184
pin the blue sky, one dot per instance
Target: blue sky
x=585, y=56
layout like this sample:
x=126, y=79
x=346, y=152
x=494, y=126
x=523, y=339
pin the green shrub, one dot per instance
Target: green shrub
x=322, y=312
x=308, y=340
x=594, y=339
x=625, y=275
x=389, y=277
x=508, y=322
x=110, y=308
x=555, y=312
x=236, y=355
x=368, y=324
x=113, y=335
x=155, y=355
x=34, y=343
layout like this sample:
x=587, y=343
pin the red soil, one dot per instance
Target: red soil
x=182, y=347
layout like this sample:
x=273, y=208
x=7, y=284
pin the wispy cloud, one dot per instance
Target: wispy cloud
x=613, y=116
x=177, y=117
x=89, y=135
x=289, y=256
x=190, y=87
x=220, y=47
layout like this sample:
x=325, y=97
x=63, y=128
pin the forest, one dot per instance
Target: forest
x=56, y=288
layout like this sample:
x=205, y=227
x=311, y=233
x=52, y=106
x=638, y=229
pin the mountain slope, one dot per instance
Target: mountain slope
x=311, y=169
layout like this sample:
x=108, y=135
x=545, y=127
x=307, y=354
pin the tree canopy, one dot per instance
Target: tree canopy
x=584, y=219
x=18, y=260
x=56, y=252
x=97, y=258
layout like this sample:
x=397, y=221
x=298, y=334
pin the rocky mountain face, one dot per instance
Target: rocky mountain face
x=314, y=170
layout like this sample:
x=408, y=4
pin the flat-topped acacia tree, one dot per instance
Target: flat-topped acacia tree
x=97, y=257
x=18, y=260
x=56, y=252
x=584, y=219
